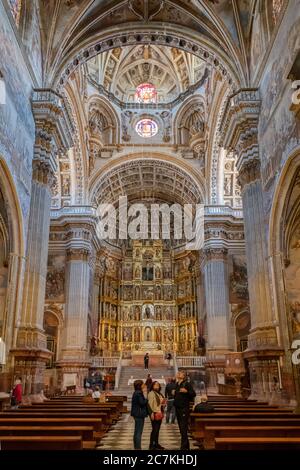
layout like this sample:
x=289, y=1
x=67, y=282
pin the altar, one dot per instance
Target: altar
x=156, y=358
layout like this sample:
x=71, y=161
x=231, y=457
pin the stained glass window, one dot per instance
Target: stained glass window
x=146, y=93
x=146, y=128
x=15, y=8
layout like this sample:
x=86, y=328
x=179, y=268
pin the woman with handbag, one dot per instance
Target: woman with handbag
x=156, y=403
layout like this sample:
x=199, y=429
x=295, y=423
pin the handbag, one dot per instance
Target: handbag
x=158, y=416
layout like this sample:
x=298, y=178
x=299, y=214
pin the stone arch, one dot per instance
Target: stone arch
x=103, y=122
x=157, y=34
x=12, y=226
x=53, y=324
x=195, y=178
x=284, y=262
x=190, y=124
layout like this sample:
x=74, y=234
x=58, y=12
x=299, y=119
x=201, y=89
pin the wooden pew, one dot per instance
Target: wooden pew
x=258, y=443
x=41, y=443
x=213, y=432
x=86, y=432
x=95, y=422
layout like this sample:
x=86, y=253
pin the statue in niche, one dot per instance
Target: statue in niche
x=137, y=273
x=157, y=252
x=188, y=310
x=125, y=314
x=148, y=335
x=157, y=272
x=158, y=312
x=157, y=293
x=167, y=272
x=114, y=312
x=137, y=292
x=137, y=312
x=148, y=293
x=106, y=332
x=127, y=272
x=137, y=335
x=158, y=335
x=127, y=335
x=93, y=346
x=148, y=273
x=168, y=293
x=148, y=311
x=137, y=253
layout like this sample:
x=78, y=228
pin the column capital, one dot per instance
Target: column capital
x=42, y=172
x=53, y=125
x=78, y=254
x=239, y=125
x=249, y=172
x=215, y=254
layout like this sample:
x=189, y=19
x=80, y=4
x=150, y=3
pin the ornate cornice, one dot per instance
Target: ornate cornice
x=239, y=125
x=53, y=126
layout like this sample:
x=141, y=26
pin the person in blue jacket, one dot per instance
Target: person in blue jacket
x=139, y=411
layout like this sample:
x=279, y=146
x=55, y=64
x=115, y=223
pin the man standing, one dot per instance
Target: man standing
x=169, y=394
x=146, y=361
x=184, y=394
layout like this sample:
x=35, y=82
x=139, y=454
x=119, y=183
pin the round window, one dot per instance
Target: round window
x=146, y=128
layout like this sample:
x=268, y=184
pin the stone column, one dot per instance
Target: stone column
x=217, y=301
x=74, y=352
x=53, y=132
x=239, y=130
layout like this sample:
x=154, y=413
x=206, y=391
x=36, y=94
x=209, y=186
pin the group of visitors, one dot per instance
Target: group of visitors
x=147, y=400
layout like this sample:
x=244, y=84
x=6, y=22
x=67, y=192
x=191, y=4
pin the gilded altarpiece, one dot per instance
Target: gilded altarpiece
x=148, y=303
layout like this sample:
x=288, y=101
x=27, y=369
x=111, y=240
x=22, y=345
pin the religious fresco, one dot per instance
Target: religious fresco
x=292, y=279
x=276, y=117
x=239, y=280
x=17, y=132
x=55, y=282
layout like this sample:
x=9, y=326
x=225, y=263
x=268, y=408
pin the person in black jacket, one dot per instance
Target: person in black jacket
x=139, y=411
x=184, y=394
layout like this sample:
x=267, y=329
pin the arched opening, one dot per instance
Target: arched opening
x=284, y=249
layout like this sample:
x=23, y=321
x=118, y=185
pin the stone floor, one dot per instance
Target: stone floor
x=120, y=437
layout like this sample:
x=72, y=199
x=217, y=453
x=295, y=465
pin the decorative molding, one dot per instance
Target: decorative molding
x=215, y=254
x=78, y=254
x=239, y=125
x=53, y=126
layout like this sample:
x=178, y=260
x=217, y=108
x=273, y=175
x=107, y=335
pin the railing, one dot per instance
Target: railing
x=118, y=372
x=190, y=361
x=223, y=210
x=106, y=362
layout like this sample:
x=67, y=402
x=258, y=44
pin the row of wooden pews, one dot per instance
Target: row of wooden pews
x=238, y=424
x=63, y=423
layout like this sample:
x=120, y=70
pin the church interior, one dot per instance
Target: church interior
x=159, y=102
